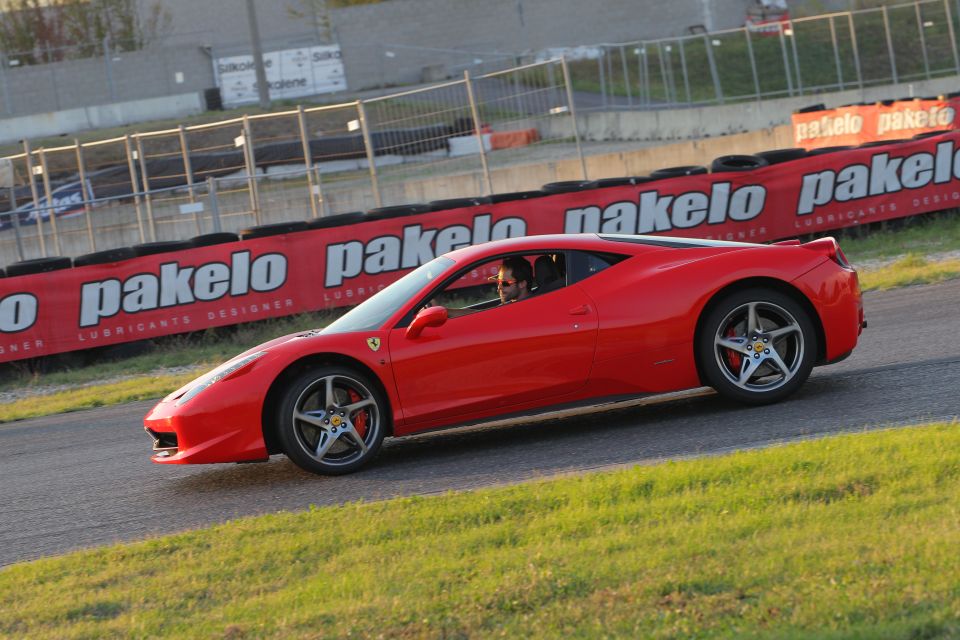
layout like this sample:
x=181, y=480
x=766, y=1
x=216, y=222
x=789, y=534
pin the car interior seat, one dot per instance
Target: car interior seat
x=546, y=274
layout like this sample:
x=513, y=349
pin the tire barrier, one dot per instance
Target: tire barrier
x=930, y=134
x=108, y=256
x=457, y=203
x=810, y=108
x=209, y=239
x=337, y=220
x=382, y=213
x=515, y=195
x=275, y=229
x=674, y=172
x=166, y=246
x=776, y=156
x=622, y=182
x=38, y=265
x=736, y=163
x=825, y=150
x=568, y=186
x=879, y=143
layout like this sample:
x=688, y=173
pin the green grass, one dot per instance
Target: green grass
x=847, y=537
x=910, y=270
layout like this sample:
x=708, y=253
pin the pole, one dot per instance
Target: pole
x=45, y=176
x=87, y=195
x=718, y=90
x=15, y=220
x=477, y=131
x=316, y=190
x=786, y=59
x=573, y=116
x=214, y=205
x=856, y=50
x=134, y=185
x=923, y=40
x=371, y=156
x=796, y=57
x=836, y=53
x=753, y=63
x=145, y=178
x=36, y=197
x=263, y=89
x=188, y=173
x=250, y=161
x=886, y=29
x=953, y=39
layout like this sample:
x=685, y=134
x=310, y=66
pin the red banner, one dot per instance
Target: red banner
x=276, y=276
x=856, y=124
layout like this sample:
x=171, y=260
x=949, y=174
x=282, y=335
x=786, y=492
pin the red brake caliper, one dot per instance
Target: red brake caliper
x=734, y=358
x=360, y=422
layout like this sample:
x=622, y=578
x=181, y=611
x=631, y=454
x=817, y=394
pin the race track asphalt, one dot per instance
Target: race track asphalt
x=84, y=479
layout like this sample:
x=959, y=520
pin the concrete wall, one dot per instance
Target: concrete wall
x=99, y=117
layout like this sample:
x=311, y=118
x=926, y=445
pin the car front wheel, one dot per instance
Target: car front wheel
x=757, y=346
x=332, y=420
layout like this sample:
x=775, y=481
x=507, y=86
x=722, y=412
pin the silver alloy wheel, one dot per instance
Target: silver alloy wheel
x=759, y=346
x=326, y=416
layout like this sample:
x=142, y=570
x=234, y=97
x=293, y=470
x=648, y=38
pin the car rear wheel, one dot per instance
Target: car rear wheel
x=757, y=346
x=332, y=420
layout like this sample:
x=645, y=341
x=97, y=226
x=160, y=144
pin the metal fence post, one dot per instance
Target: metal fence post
x=45, y=176
x=836, y=53
x=87, y=196
x=250, y=161
x=477, y=126
x=683, y=67
x=796, y=57
x=856, y=50
x=15, y=220
x=886, y=29
x=717, y=89
x=7, y=106
x=315, y=191
x=371, y=155
x=188, y=172
x=573, y=116
x=214, y=205
x=753, y=63
x=134, y=185
x=626, y=76
x=603, y=77
x=923, y=39
x=786, y=59
x=36, y=198
x=663, y=73
x=953, y=39
x=145, y=180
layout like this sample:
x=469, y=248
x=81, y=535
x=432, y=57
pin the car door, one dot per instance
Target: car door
x=527, y=352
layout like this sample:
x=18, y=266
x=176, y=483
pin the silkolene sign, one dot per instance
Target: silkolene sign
x=281, y=275
x=866, y=123
x=291, y=73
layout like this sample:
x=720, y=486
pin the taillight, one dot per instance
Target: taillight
x=830, y=248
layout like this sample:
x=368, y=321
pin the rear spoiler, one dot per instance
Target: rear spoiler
x=828, y=246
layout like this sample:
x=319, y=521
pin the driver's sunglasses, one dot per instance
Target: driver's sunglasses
x=501, y=282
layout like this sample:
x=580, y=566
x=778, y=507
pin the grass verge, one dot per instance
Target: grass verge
x=849, y=536
x=912, y=269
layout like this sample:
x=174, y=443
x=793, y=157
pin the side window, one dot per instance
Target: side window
x=584, y=264
x=502, y=280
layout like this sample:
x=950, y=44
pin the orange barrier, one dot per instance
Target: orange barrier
x=518, y=138
x=857, y=124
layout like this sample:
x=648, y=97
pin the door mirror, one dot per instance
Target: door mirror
x=429, y=317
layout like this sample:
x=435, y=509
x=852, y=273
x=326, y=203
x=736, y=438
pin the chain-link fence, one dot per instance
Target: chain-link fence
x=452, y=140
x=832, y=52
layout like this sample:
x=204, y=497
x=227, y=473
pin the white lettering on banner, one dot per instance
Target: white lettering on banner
x=657, y=213
x=417, y=246
x=18, y=312
x=290, y=73
x=884, y=175
x=180, y=286
x=905, y=119
x=828, y=126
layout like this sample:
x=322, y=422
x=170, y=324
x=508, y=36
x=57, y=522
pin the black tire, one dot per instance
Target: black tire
x=275, y=229
x=725, y=164
x=3, y=273
x=515, y=195
x=723, y=365
x=337, y=220
x=880, y=143
x=396, y=211
x=568, y=186
x=209, y=239
x=825, y=150
x=930, y=134
x=306, y=395
x=622, y=182
x=673, y=172
x=776, y=156
x=811, y=108
x=457, y=203
x=107, y=256
x=37, y=265
x=164, y=246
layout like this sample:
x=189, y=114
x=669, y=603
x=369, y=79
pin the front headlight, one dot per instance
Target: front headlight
x=218, y=374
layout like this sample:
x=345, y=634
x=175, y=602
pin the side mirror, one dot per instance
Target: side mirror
x=429, y=317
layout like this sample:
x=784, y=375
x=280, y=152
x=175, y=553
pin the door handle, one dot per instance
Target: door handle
x=582, y=310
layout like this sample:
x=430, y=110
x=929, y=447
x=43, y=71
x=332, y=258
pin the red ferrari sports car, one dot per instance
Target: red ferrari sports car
x=516, y=327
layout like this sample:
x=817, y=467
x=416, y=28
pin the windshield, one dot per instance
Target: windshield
x=375, y=311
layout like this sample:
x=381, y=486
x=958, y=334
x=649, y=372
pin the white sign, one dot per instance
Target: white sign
x=291, y=73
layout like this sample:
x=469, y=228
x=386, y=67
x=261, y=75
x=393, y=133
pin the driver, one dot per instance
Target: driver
x=513, y=279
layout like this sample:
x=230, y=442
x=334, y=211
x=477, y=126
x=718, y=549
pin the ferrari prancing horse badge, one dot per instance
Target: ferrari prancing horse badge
x=373, y=343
